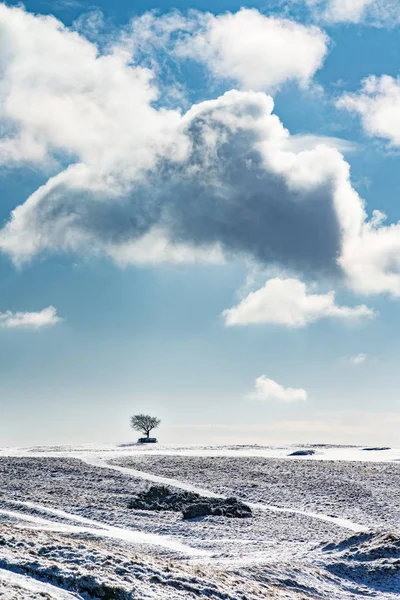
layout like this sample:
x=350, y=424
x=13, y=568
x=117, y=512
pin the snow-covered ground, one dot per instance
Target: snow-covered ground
x=324, y=525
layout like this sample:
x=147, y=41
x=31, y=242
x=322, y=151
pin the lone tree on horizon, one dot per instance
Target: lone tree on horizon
x=144, y=423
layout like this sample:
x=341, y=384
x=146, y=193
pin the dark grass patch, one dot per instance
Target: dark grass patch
x=192, y=505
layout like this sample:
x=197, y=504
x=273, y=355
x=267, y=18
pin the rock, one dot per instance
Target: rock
x=231, y=507
x=375, y=449
x=192, y=505
x=198, y=509
x=303, y=453
x=160, y=497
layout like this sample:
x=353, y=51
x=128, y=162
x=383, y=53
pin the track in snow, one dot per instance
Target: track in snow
x=98, y=462
x=34, y=587
x=96, y=528
x=339, y=522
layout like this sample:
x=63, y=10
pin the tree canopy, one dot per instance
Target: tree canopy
x=144, y=423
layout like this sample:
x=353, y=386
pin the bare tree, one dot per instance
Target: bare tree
x=144, y=423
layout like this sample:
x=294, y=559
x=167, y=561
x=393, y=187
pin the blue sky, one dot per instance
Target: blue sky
x=185, y=246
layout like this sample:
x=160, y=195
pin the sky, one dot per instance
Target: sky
x=200, y=220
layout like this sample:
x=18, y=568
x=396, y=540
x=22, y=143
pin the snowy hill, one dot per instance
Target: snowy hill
x=324, y=524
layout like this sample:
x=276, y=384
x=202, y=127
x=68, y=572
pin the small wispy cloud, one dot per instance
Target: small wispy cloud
x=67, y=4
x=268, y=389
x=29, y=320
x=358, y=359
x=378, y=13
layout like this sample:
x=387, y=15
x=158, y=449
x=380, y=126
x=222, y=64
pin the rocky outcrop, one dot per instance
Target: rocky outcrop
x=190, y=504
x=231, y=507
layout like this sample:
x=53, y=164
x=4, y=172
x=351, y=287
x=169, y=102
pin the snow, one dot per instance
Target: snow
x=324, y=526
x=18, y=587
x=326, y=452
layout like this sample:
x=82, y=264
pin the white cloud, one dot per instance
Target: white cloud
x=373, y=12
x=288, y=302
x=378, y=105
x=340, y=11
x=258, y=52
x=268, y=389
x=29, y=320
x=371, y=259
x=370, y=255
x=299, y=143
x=358, y=359
x=347, y=10
x=96, y=108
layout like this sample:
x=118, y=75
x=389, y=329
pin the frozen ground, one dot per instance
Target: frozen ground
x=325, y=525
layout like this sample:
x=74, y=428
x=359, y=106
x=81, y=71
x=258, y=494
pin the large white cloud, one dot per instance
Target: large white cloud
x=372, y=258
x=241, y=185
x=29, y=320
x=149, y=184
x=268, y=389
x=288, y=302
x=256, y=51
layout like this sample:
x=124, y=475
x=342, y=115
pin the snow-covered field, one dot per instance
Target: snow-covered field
x=324, y=525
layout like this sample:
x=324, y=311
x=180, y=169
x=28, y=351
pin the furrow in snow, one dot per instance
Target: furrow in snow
x=34, y=587
x=96, y=528
x=98, y=462
x=344, y=523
